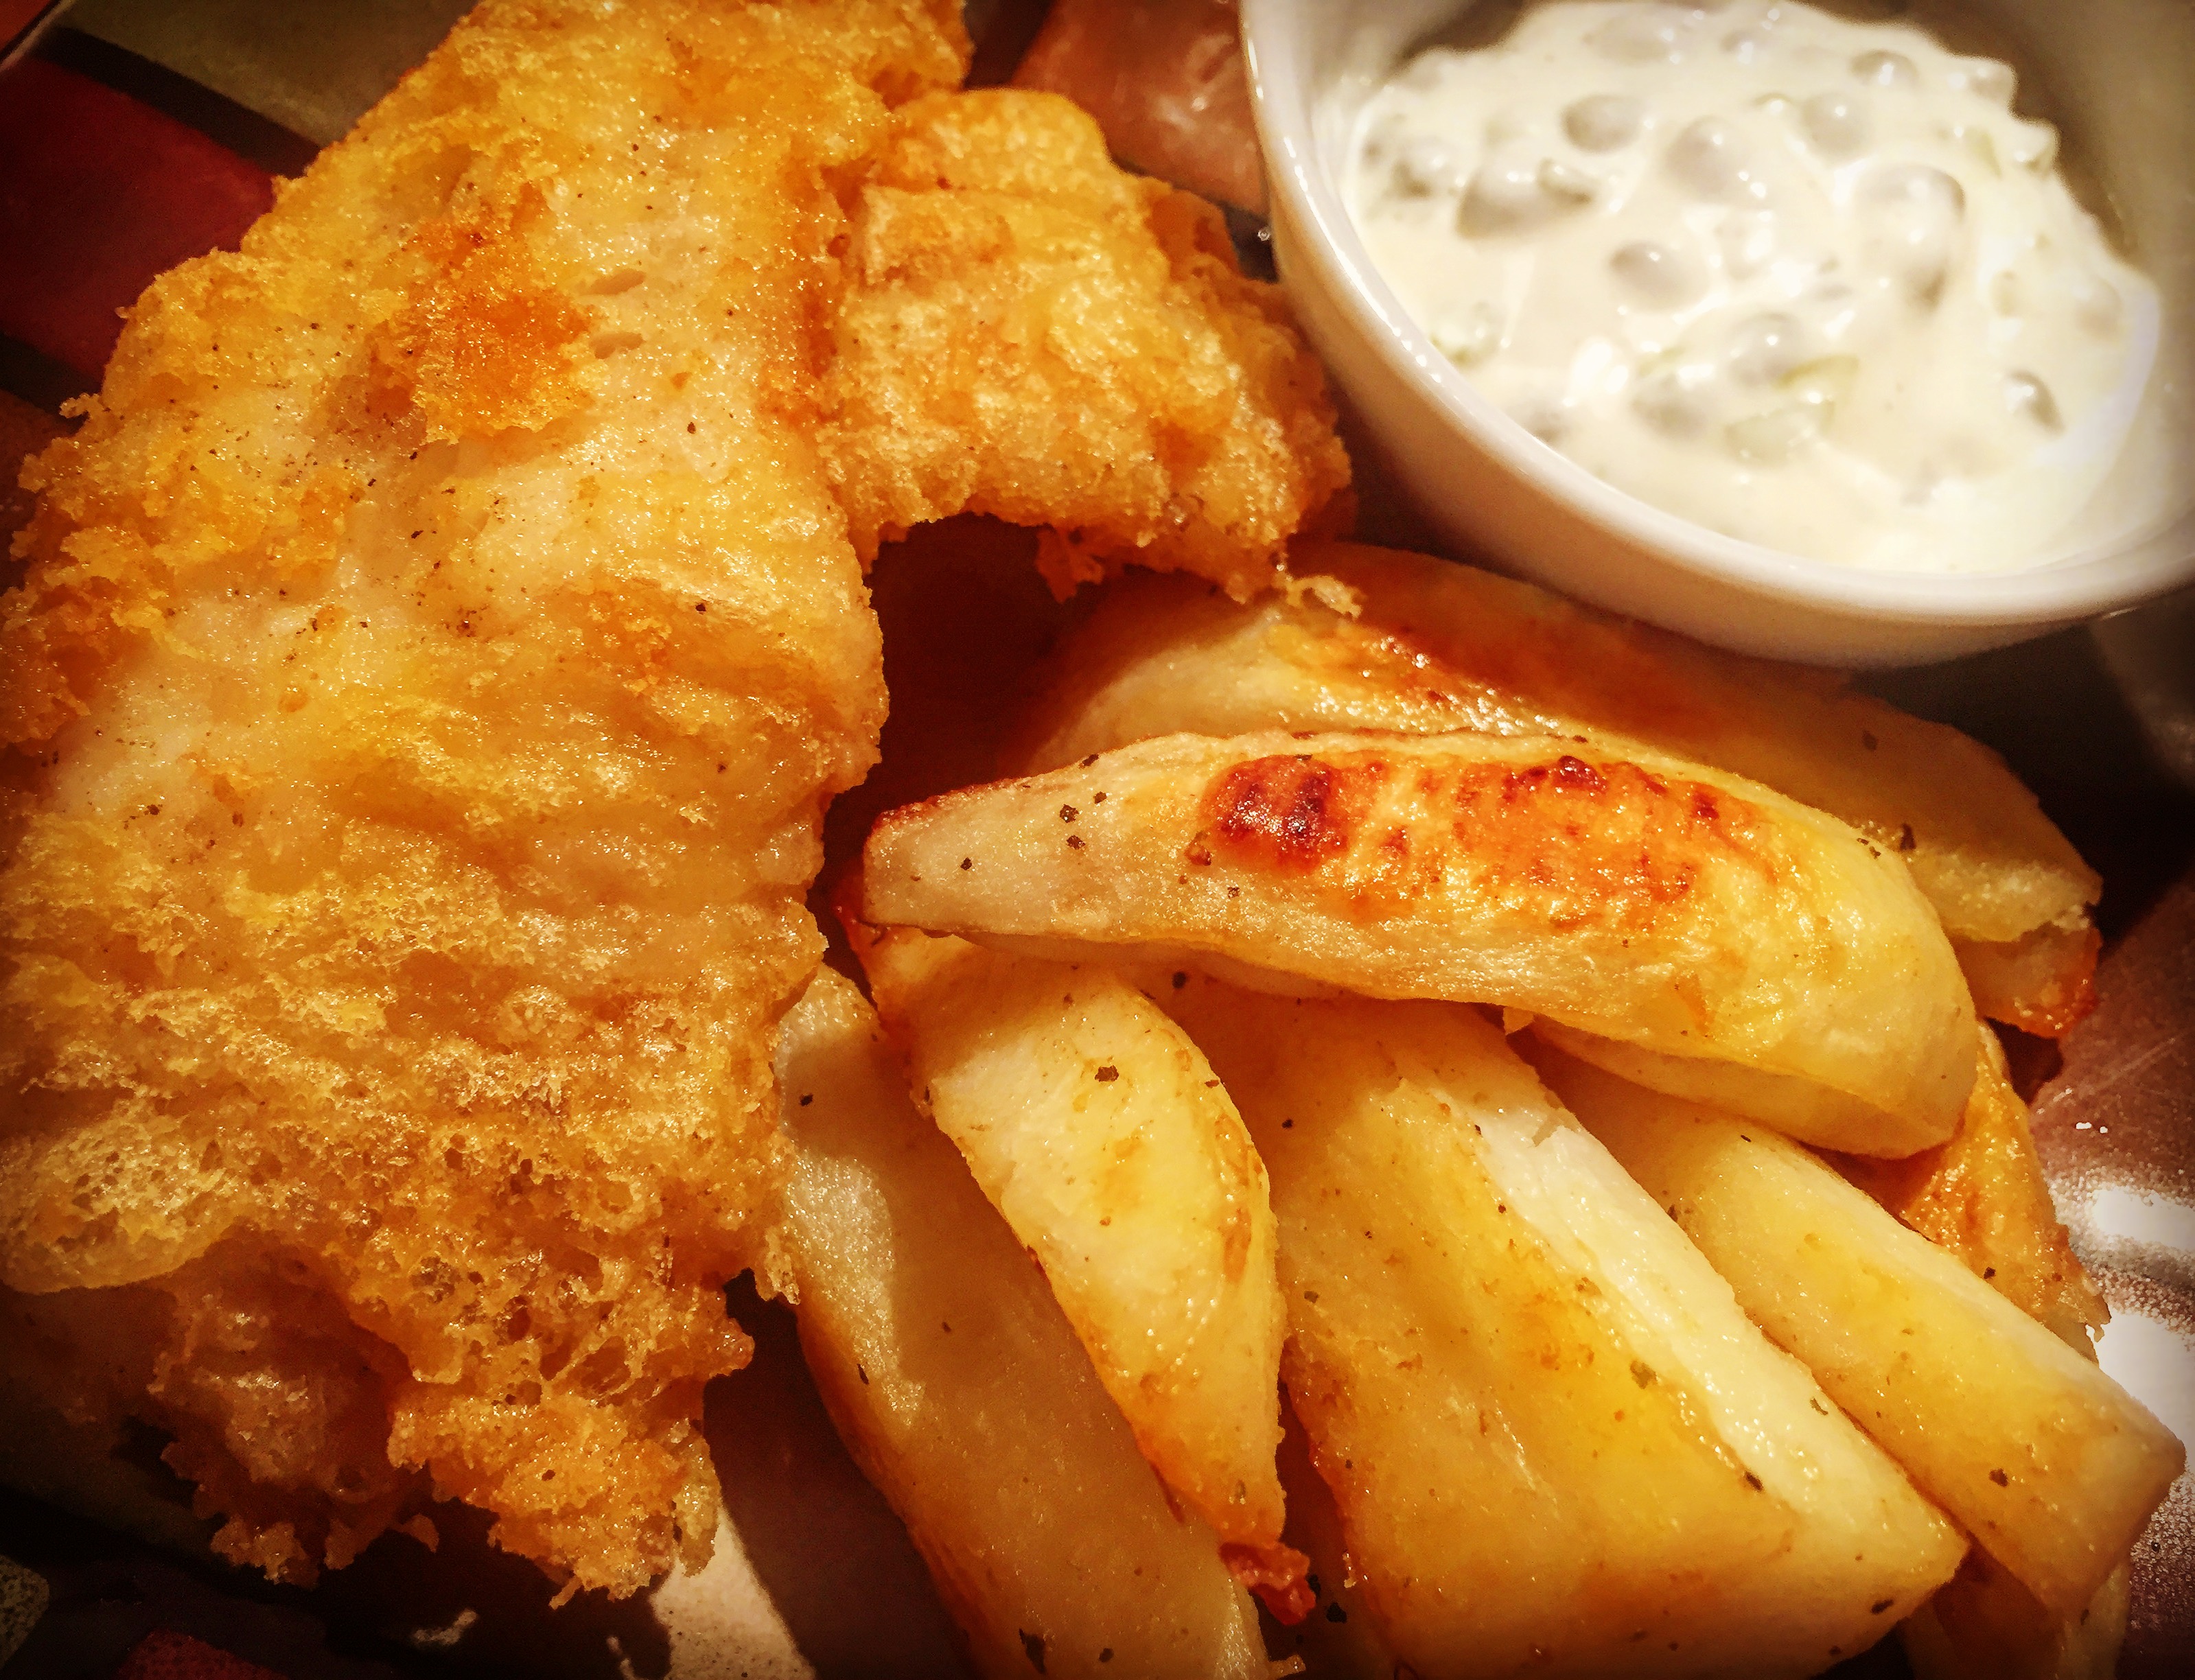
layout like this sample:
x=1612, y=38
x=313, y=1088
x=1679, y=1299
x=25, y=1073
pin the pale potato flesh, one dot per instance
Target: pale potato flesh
x=1663, y=905
x=1555, y=1442
x=1801, y=1108
x=1098, y=1129
x=2051, y=1465
x=963, y=1393
x=1428, y=645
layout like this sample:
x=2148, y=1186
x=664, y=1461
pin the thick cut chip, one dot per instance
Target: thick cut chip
x=1557, y=1444
x=2051, y=1466
x=1803, y=1109
x=1034, y=334
x=1095, y=1127
x=1414, y=643
x=439, y=645
x=963, y=1393
x=1340, y=1639
x=1668, y=908
x=1982, y=1196
x=1985, y=1625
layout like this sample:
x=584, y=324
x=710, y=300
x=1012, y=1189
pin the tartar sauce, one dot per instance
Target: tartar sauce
x=1803, y=280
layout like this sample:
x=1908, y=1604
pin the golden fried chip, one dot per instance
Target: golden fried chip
x=1673, y=912
x=2051, y=1465
x=1983, y=1625
x=1557, y=1443
x=1415, y=643
x=1098, y=1130
x=1982, y=1196
x=962, y=1391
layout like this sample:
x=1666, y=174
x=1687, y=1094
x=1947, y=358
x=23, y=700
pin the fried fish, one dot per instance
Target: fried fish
x=439, y=645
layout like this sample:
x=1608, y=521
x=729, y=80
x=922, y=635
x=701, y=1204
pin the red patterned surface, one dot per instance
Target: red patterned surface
x=99, y=193
x=16, y=16
x=176, y=1656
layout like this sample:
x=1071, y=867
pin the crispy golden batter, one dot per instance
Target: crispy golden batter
x=440, y=645
x=441, y=642
x=24, y=430
x=1034, y=334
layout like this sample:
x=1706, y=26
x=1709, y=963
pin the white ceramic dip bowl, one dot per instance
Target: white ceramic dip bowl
x=2119, y=79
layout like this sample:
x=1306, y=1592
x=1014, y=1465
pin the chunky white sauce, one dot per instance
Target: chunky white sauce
x=1803, y=280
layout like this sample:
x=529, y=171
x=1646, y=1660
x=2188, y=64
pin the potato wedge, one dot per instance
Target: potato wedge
x=963, y=1393
x=1801, y=1108
x=1556, y=1443
x=2051, y=1465
x=2043, y=982
x=1434, y=646
x=1982, y=1197
x=1986, y=1625
x=1340, y=1639
x=1096, y=1128
x=1659, y=904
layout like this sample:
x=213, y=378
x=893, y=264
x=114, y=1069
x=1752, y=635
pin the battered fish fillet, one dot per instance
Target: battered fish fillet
x=440, y=645
x=1032, y=334
x=441, y=641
